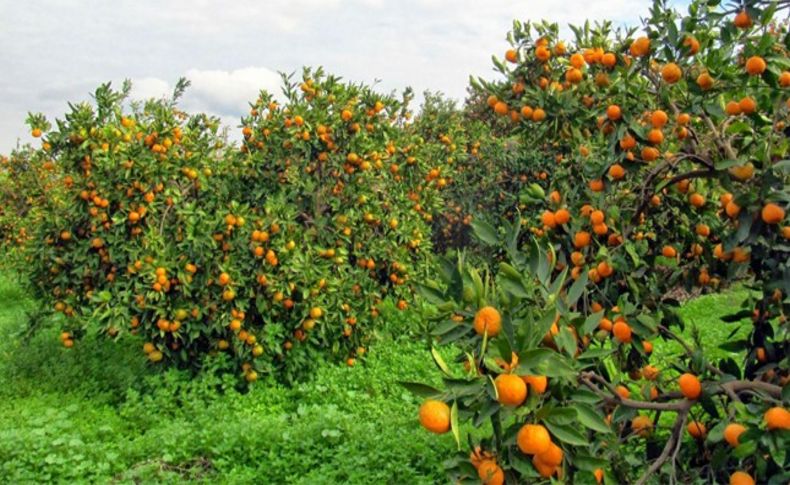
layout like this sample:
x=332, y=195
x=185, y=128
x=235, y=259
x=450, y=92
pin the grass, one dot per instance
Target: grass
x=98, y=413
x=704, y=328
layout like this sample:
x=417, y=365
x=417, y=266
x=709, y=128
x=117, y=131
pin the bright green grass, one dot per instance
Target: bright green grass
x=77, y=416
x=702, y=316
x=98, y=413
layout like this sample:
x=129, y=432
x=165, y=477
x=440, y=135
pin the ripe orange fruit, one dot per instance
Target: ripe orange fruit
x=741, y=478
x=581, y=239
x=490, y=473
x=784, y=79
x=538, y=384
x=732, y=432
x=511, y=55
x=605, y=269
x=605, y=324
x=742, y=20
x=755, y=65
x=650, y=372
x=616, y=171
x=598, y=474
x=622, y=332
x=543, y=469
x=577, y=60
x=511, y=390
x=548, y=219
x=671, y=73
x=501, y=108
x=597, y=217
x=732, y=108
x=650, y=154
x=655, y=136
x=777, y=418
x=316, y=312
x=669, y=252
x=705, y=81
x=747, y=105
x=697, y=200
x=488, y=319
x=224, y=279
x=772, y=213
x=642, y=425
x=600, y=229
x=542, y=53
x=690, y=386
x=691, y=44
x=538, y=115
x=697, y=430
x=628, y=142
x=703, y=230
x=658, y=118
x=596, y=185
x=552, y=456
x=562, y=216
x=533, y=439
x=613, y=112
x=732, y=209
x=435, y=416
x=640, y=47
x=573, y=76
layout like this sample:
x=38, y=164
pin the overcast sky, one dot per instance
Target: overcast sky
x=55, y=51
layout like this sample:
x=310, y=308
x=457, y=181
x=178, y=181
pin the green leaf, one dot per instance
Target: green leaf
x=745, y=449
x=531, y=359
x=567, y=434
x=420, y=389
x=716, y=434
x=431, y=294
x=439, y=361
x=595, y=354
x=588, y=463
x=485, y=231
x=734, y=346
x=454, y=424
x=591, y=322
x=561, y=416
x=590, y=418
x=576, y=289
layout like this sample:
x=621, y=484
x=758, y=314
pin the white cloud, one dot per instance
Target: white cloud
x=231, y=51
x=228, y=92
x=150, y=87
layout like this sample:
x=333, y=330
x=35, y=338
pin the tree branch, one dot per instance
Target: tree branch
x=673, y=443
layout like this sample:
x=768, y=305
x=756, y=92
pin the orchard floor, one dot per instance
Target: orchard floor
x=98, y=413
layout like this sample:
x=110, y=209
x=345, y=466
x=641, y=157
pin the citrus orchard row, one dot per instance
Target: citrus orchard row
x=145, y=220
x=658, y=168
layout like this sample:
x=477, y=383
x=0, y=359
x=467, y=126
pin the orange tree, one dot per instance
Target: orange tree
x=28, y=180
x=275, y=255
x=665, y=159
x=481, y=172
x=339, y=199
